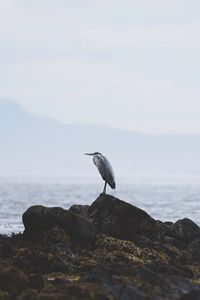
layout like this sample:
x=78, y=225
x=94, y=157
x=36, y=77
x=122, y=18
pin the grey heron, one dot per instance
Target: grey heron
x=104, y=168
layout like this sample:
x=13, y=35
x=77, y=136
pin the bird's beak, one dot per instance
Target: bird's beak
x=89, y=153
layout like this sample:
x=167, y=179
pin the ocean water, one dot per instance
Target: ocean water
x=164, y=199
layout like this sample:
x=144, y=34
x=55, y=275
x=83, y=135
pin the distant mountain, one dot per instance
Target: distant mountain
x=32, y=145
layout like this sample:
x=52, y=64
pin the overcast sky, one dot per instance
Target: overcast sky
x=131, y=64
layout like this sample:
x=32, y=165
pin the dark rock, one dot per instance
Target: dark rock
x=42, y=262
x=193, y=250
x=37, y=261
x=7, y=250
x=36, y=281
x=186, y=230
x=169, y=240
x=80, y=209
x=193, y=295
x=164, y=287
x=147, y=243
x=63, y=249
x=113, y=287
x=4, y=295
x=133, y=257
x=13, y=281
x=60, y=282
x=54, y=235
x=132, y=292
x=39, y=218
x=143, y=241
x=169, y=223
x=163, y=230
x=3, y=239
x=123, y=220
x=57, y=264
x=32, y=294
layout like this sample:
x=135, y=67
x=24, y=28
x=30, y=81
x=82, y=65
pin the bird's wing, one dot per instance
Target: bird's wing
x=106, y=171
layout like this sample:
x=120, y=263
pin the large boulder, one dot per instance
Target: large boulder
x=13, y=281
x=38, y=218
x=123, y=220
x=81, y=210
x=185, y=230
x=193, y=250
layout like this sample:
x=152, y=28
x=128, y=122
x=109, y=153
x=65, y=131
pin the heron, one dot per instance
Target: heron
x=104, y=168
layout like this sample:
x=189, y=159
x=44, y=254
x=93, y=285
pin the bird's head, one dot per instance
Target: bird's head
x=92, y=154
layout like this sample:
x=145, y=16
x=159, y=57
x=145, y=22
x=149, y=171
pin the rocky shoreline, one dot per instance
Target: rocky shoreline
x=109, y=250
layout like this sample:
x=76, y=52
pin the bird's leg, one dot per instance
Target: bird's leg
x=104, y=189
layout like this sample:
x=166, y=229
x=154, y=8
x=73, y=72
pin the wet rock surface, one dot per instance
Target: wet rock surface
x=121, y=219
x=39, y=218
x=109, y=250
x=186, y=230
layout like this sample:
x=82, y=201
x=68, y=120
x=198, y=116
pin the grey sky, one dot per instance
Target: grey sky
x=132, y=64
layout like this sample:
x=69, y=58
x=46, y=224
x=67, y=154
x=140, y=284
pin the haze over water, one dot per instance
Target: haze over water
x=117, y=77
x=164, y=199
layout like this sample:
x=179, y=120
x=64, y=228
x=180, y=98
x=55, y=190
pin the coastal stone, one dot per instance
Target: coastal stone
x=80, y=210
x=113, y=286
x=193, y=250
x=3, y=239
x=163, y=230
x=4, y=295
x=193, y=295
x=186, y=230
x=43, y=261
x=39, y=218
x=170, y=240
x=54, y=235
x=123, y=220
x=144, y=242
x=13, y=281
x=36, y=281
x=63, y=249
x=131, y=257
x=57, y=264
x=7, y=250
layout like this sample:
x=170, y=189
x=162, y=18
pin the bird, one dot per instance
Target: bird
x=104, y=168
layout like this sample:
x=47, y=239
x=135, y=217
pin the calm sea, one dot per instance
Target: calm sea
x=164, y=199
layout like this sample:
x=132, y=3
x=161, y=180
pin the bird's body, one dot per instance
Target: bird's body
x=104, y=168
